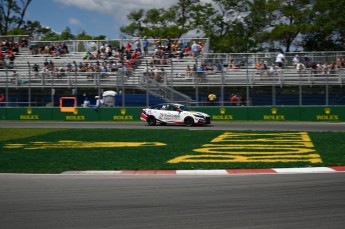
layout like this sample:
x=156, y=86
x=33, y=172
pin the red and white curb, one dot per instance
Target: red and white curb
x=331, y=169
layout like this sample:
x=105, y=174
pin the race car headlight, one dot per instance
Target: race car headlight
x=199, y=115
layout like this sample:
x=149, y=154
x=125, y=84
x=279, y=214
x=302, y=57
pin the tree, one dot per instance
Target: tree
x=326, y=29
x=12, y=14
x=154, y=23
x=32, y=28
x=229, y=31
x=49, y=35
x=258, y=22
x=67, y=34
x=133, y=29
x=283, y=21
x=175, y=21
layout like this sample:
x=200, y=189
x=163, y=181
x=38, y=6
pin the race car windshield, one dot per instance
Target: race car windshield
x=185, y=108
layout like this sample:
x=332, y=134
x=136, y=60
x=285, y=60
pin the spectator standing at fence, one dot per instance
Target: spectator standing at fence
x=200, y=74
x=146, y=46
x=2, y=60
x=2, y=100
x=280, y=59
x=296, y=61
x=128, y=46
x=138, y=45
x=169, y=43
x=195, y=49
x=233, y=100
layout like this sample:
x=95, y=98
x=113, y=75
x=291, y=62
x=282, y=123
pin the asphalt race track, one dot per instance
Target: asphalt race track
x=171, y=202
x=281, y=126
x=312, y=200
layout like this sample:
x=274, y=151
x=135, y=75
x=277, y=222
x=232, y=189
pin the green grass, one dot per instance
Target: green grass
x=41, y=150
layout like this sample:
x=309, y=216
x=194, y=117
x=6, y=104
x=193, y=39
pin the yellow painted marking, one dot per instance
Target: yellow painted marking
x=14, y=146
x=309, y=158
x=255, y=147
x=228, y=150
x=80, y=144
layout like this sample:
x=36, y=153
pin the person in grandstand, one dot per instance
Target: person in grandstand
x=280, y=59
x=146, y=46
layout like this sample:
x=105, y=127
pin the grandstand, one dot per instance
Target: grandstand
x=150, y=80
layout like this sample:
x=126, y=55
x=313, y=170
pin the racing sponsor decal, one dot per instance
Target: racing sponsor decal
x=168, y=116
x=29, y=115
x=327, y=115
x=255, y=147
x=75, y=116
x=223, y=115
x=123, y=116
x=274, y=116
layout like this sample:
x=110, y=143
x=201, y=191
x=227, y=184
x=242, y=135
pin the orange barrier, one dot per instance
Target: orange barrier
x=64, y=108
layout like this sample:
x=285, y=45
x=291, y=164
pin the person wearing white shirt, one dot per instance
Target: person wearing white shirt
x=296, y=61
x=280, y=59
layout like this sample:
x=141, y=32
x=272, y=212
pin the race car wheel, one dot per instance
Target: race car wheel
x=189, y=121
x=151, y=120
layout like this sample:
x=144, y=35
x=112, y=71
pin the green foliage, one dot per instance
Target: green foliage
x=83, y=36
x=100, y=37
x=233, y=25
x=50, y=36
x=327, y=28
x=16, y=31
x=12, y=15
x=160, y=23
x=67, y=34
x=32, y=28
x=321, y=41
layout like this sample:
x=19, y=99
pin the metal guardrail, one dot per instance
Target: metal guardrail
x=161, y=90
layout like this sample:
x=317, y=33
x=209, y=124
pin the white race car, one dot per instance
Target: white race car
x=173, y=113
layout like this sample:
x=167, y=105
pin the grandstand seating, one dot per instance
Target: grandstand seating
x=174, y=74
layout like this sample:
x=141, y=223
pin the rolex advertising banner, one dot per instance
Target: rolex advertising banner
x=224, y=114
x=273, y=114
x=78, y=114
x=28, y=114
x=327, y=113
x=120, y=114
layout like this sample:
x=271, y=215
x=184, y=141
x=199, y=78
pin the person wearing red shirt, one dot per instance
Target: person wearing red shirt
x=2, y=100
